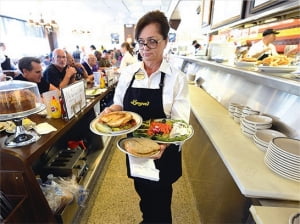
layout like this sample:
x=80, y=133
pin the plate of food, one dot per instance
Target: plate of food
x=10, y=126
x=246, y=62
x=94, y=91
x=138, y=146
x=165, y=130
x=116, y=123
x=279, y=68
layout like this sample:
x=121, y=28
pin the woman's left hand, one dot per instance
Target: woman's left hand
x=161, y=151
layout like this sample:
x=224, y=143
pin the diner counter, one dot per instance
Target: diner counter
x=20, y=166
x=286, y=82
x=272, y=215
x=244, y=161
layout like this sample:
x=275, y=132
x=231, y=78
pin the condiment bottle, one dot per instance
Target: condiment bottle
x=55, y=108
x=102, y=82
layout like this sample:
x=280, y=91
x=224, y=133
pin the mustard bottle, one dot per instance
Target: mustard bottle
x=55, y=108
x=102, y=82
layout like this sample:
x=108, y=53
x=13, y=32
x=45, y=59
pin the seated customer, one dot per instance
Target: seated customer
x=90, y=64
x=104, y=61
x=59, y=73
x=81, y=73
x=31, y=69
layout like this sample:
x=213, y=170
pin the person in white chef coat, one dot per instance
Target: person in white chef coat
x=264, y=47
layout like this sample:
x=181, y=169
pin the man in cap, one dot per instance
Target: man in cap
x=264, y=47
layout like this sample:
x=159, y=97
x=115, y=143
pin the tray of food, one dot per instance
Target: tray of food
x=278, y=63
x=138, y=146
x=165, y=130
x=116, y=123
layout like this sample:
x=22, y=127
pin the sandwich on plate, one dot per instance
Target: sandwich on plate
x=115, y=121
x=141, y=147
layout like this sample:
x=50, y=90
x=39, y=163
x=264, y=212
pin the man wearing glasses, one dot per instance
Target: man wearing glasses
x=58, y=72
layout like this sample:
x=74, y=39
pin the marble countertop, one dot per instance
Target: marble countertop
x=243, y=159
x=272, y=215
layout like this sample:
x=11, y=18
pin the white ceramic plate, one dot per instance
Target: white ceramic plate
x=138, y=119
x=120, y=145
x=94, y=92
x=142, y=132
x=244, y=64
x=282, y=69
x=288, y=145
x=279, y=172
x=266, y=135
x=258, y=119
x=283, y=162
x=283, y=156
x=294, y=218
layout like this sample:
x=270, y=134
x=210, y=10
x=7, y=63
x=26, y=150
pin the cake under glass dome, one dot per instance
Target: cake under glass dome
x=19, y=99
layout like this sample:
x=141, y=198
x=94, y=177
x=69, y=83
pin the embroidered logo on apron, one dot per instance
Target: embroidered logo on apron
x=140, y=104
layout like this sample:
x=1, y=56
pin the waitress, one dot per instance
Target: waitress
x=154, y=89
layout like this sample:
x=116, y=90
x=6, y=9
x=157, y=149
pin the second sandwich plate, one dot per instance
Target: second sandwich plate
x=120, y=145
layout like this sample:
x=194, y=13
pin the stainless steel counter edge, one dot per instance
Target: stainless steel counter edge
x=243, y=159
x=274, y=81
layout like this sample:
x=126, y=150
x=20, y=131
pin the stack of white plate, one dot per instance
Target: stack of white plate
x=231, y=108
x=238, y=113
x=251, y=123
x=263, y=137
x=283, y=157
x=248, y=111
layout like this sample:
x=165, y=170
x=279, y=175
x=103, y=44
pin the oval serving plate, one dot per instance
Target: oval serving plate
x=181, y=131
x=138, y=119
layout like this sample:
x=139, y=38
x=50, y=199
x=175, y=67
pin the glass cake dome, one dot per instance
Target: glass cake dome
x=19, y=99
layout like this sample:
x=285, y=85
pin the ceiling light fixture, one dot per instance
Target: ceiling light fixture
x=48, y=26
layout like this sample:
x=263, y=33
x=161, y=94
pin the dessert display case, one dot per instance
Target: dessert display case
x=19, y=166
x=19, y=99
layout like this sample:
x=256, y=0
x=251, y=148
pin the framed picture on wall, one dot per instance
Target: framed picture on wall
x=222, y=15
x=259, y=5
x=206, y=12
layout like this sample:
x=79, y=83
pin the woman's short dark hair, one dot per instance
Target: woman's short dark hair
x=156, y=17
x=25, y=63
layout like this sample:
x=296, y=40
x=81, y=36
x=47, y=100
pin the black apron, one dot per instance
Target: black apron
x=149, y=104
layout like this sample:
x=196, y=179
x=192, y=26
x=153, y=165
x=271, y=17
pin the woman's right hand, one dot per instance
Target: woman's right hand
x=111, y=108
x=106, y=110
